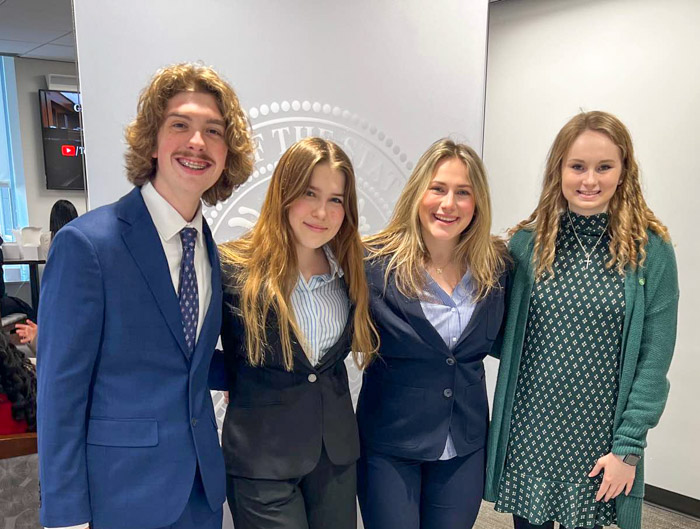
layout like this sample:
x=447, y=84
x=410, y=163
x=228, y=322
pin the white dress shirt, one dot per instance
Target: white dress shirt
x=168, y=224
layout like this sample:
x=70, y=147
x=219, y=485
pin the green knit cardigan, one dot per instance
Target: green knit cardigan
x=648, y=340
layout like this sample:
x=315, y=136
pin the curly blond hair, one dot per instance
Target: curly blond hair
x=142, y=133
x=401, y=242
x=629, y=215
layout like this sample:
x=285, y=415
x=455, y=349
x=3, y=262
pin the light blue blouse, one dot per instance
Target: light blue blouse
x=450, y=316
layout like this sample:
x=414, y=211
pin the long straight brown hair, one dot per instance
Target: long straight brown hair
x=629, y=215
x=263, y=267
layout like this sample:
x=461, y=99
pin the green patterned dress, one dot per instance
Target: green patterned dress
x=565, y=399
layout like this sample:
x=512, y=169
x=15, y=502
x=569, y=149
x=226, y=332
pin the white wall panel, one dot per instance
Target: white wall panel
x=383, y=78
x=639, y=60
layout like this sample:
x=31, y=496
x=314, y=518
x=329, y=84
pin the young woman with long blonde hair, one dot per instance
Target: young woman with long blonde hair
x=590, y=331
x=296, y=302
x=436, y=288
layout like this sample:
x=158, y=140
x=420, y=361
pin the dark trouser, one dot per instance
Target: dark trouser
x=522, y=523
x=398, y=493
x=322, y=499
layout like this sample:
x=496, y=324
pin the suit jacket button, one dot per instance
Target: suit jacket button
x=447, y=393
x=312, y=377
x=194, y=421
x=450, y=361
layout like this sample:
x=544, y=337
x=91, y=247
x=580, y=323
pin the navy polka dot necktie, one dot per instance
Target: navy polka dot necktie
x=188, y=294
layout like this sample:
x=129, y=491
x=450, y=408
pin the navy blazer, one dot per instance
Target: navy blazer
x=277, y=421
x=418, y=388
x=125, y=416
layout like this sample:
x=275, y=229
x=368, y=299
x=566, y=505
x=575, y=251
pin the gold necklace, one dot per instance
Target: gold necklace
x=440, y=269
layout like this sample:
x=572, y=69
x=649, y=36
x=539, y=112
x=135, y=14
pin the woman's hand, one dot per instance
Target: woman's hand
x=26, y=331
x=617, y=477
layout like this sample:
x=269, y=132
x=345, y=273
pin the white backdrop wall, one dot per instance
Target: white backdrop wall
x=383, y=79
x=415, y=73
x=640, y=60
x=30, y=79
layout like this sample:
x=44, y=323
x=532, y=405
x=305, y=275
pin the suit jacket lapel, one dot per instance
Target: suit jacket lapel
x=414, y=314
x=340, y=346
x=214, y=307
x=142, y=240
x=299, y=354
x=273, y=339
x=212, y=323
x=479, y=312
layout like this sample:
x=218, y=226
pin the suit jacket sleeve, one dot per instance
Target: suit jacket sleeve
x=217, y=372
x=231, y=341
x=71, y=316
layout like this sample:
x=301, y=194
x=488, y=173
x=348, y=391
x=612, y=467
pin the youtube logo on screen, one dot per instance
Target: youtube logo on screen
x=68, y=150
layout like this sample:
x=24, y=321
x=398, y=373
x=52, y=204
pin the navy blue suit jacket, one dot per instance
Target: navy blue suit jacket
x=418, y=388
x=125, y=415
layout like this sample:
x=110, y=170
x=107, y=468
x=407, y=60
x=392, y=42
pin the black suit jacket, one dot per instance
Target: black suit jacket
x=277, y=421
x=419, y=388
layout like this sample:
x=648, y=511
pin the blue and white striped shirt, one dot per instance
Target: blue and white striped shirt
x=450, y=316
x=321, y=307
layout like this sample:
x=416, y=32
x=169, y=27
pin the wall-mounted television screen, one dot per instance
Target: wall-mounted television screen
x=63, y=146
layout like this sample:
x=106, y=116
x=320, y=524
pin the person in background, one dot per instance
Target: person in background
x=62, y=212
x=588, y=340
x=295, y=304
x=130, y=315
x=436, y=278
x=17, y=390
x=27, y=333
x=11, y=304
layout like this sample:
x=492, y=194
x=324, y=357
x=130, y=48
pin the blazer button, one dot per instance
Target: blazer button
x=447, y=393
x=194, y=421
x=450, y=361
x=312, y=378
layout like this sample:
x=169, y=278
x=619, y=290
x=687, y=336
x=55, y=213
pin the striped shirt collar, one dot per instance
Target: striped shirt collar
x=336, y=270
x=336, y=273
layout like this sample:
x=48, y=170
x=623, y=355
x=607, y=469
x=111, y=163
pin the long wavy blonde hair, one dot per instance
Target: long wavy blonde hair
x=629, y=215
x=401, y=242
x=262, y=265
x=142, y=133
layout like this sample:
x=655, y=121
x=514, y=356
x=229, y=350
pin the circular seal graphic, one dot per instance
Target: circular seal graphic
x=381, y=170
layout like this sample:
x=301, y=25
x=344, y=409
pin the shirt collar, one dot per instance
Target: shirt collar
x=461, y=291
x=167, y=220
x=466, y=281
x=336, y=270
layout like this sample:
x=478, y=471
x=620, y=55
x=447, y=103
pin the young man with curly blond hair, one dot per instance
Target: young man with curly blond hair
x=130, y=315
